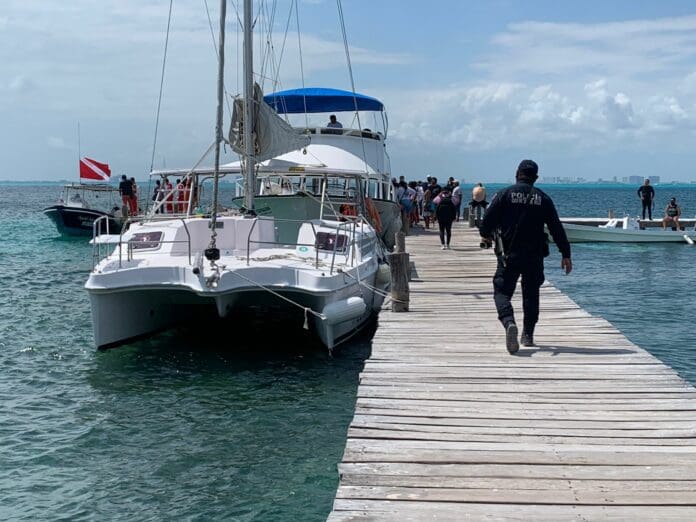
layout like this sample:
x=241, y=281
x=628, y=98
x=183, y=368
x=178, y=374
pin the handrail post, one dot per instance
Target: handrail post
x=188, y=235
x=253, y=225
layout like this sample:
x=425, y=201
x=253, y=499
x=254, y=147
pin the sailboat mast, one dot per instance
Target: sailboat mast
x=220, y=100
x=249, y=162
x=79, y=151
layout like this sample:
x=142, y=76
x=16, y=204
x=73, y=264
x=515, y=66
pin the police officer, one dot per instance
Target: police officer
x=516, y=216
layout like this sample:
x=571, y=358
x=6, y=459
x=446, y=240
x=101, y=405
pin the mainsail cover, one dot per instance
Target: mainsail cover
x=272, y=136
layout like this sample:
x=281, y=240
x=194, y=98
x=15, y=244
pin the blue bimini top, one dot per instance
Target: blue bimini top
x=313, y=99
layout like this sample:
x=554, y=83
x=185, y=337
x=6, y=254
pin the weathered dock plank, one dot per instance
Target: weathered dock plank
x=448, y=426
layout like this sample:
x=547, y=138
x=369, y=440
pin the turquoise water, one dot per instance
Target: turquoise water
x=236, y=423
x=647, y=291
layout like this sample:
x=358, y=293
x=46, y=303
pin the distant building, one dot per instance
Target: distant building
x=636, y=180
x=654, y=179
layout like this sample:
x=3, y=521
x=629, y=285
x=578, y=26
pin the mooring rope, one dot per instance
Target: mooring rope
x=307, y=309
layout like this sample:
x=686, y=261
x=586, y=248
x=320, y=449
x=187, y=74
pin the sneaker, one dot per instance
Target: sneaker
x=444, y=247
x=448, y=247
x=526, y=339
x=511, y=338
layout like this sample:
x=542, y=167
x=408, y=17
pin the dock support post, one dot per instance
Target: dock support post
x=400, y=268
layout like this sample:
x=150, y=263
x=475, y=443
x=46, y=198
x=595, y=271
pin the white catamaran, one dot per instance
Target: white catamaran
x=328, y=263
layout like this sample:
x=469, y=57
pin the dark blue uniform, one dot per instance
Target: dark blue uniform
x=519, y=218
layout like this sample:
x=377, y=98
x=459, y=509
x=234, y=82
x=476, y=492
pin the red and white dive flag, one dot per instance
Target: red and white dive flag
x=90, y=169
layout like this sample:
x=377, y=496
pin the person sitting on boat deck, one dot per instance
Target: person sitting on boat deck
x=125, y=188
x=647, y=195
x=672, y=214
x=334, y=124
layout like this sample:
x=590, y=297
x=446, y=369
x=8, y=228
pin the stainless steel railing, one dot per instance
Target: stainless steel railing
x=97, y=247
x=347, y=229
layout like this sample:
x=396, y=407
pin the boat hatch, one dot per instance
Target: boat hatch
x=145, y=240
x=330, y=241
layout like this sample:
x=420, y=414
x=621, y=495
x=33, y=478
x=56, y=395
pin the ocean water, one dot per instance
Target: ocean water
x=234, y=423
x=205, y=423
x=648, y=291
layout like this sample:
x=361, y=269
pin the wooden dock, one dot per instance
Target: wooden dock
x=448, y=426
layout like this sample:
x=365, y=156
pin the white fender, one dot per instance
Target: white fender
x=344, y=310
x=383, y=275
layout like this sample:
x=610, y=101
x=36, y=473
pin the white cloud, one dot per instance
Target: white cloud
x=619, y=49
x=572, y=85
x=20, y=84
x=57, y=143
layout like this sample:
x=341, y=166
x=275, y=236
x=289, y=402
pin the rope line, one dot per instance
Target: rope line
x=352, y=80
x=376, y=290
x=307, y=309
x=161, y=89
x=299, y=43
x=212, y=35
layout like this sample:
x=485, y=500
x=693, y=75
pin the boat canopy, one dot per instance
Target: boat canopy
x=313, y=99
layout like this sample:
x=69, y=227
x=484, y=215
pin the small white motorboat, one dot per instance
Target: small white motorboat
x=626, y=230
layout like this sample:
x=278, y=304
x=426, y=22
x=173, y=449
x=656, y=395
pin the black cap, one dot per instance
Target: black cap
x=528, y=168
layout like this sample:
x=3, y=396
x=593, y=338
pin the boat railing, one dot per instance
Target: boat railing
x=347, y=228
x=97, y=227
x=135, y=244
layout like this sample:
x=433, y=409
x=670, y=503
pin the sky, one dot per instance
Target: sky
x=594, y=89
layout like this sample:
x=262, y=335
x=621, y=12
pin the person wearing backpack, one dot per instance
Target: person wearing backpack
x=516, y=217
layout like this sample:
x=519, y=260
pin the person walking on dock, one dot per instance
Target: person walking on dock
x=445, y=213
x=647, y=196
x=516, y=217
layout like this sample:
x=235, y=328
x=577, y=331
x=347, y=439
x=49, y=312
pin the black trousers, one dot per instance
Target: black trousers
x=647, y=204
x=505, y=282
x=445, y=230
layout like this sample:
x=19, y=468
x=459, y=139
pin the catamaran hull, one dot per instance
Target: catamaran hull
x=122, y=316
x=583, y=234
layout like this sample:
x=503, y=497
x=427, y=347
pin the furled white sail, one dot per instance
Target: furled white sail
x=271, y=134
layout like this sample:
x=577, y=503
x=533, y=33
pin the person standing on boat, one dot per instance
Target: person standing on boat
x=134, y=198
x=647, y=195
x=125, y=188
x=516, y=216
x=169, y=194
x=672, y=215
x=156, y=193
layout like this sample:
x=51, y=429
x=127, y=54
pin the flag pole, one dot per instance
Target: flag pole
x=79, y=151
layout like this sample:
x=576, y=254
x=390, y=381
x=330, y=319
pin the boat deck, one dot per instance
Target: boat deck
x=448, y=426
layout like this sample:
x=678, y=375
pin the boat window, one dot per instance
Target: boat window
x=145, y=240
x=329, y=241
